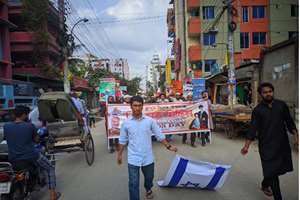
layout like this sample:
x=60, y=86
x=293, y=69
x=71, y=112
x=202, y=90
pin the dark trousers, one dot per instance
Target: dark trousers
x=204, y=137
x=92, y=121
x=113, y=143
x=134, y=180
x=273, y=182
x=193, y=138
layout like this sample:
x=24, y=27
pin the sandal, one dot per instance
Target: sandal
x=267, y=191
x=149, y=195
x=58, y=195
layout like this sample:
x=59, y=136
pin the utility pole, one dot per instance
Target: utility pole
x=61, y=5
x=231, y=70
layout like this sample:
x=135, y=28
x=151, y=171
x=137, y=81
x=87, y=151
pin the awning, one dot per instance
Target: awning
x=218, y=78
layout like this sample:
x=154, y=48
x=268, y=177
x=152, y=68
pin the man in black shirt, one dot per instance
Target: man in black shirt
x=269, y=122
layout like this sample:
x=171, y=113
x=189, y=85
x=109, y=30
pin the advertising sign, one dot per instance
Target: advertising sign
x=198, y=87
x=172, y=118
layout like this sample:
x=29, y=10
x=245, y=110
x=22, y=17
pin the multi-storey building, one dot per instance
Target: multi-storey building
x=154, y=71
x=118, y=66
x=22, y=46
x=201, y=29
x=5, y=58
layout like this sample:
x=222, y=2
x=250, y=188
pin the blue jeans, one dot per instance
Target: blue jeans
x=134, y=180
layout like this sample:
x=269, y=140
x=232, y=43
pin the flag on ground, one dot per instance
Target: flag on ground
x=195, y=174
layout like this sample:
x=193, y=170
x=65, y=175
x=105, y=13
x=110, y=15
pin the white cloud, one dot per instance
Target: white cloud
x=86, y=13
x=136, y=41
x=126, y=7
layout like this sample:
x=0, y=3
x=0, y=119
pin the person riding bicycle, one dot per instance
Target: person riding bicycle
x=21, y=137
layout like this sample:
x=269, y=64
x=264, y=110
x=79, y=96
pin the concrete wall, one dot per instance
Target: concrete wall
x=281, y=21
x=285, y=81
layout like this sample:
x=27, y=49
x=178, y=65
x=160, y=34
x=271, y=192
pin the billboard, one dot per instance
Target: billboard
x=198, y=87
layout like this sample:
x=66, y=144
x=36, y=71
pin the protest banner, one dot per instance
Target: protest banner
x=107, y=88
x=172, y=118
x=187, y=89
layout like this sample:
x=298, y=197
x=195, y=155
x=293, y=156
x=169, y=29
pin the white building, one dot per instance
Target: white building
x=119, y=66
x=153, y=71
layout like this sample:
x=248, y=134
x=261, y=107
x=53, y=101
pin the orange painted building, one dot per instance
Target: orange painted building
x=250, y=24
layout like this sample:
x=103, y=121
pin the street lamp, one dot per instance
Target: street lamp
x=79, y=21
x=67, y=88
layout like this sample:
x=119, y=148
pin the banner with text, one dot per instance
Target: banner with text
x=172, y=118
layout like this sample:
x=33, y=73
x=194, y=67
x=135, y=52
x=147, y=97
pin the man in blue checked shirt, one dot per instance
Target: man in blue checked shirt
x=136, y=132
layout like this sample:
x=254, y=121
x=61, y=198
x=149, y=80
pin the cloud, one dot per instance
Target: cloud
x=86, y=13
x=136, y=41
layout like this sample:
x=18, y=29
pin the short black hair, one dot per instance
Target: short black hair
x=20, y=110
x=162, y=94
x=136, y=98
x=263, y=85
x=204, y=92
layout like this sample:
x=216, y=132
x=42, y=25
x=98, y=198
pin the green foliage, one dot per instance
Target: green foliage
x=35, y=15
x=150, y=89
x=94, y=76
x=77, y=68
x=133, y=85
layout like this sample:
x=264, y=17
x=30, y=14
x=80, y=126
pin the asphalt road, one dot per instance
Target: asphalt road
x=105, y=180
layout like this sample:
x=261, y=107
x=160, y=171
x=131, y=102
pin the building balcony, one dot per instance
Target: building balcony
x=194, y=26
x=171, y=30
x=32, y=71
x=16, y=7
x=193, y=4
x=24, y=42
x=194, y=53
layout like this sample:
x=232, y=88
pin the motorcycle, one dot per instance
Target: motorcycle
x=19, y=180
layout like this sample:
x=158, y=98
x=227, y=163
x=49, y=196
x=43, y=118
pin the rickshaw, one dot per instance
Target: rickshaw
x=67, y=129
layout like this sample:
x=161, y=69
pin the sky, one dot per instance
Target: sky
x=131, y=29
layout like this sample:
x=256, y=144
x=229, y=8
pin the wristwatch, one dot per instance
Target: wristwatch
x=169, y=146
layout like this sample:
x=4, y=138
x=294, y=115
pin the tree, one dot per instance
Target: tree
x=77, y=68
x=133, y=85
x=94, y=75
x=150, y=89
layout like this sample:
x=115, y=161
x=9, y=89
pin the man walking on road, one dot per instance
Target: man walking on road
x=269, y=122
x=137, y=131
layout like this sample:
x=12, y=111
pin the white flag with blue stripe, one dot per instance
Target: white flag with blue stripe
x=195, y=174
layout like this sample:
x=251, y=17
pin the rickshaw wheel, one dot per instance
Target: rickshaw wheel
x=89, y=149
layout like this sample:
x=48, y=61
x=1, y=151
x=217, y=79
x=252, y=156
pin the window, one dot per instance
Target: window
x=208, y=64
x=208, y=12
x=293, y=34
x=209, y=39
x=259, y=38
x=294, y=10
x=258, y=12
x=244, y=40
x=195, y=13
x=245, y=14
x=197, y=65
